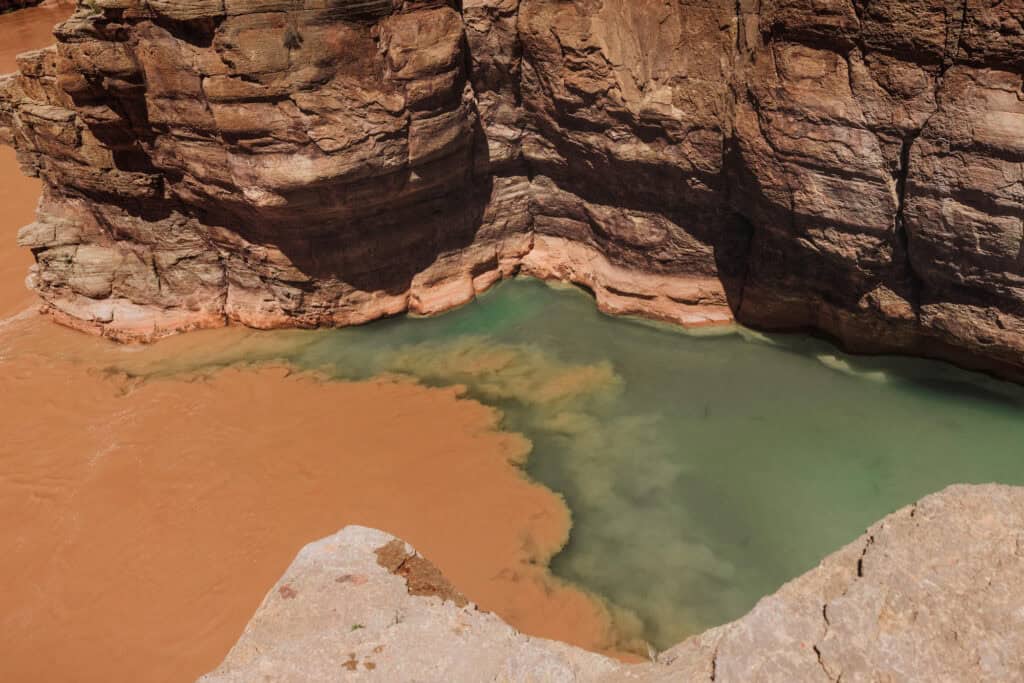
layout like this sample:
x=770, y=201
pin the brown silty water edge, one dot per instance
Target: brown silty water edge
x=145, y=521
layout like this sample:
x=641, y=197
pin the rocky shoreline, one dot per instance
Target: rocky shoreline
x=930, y=593
x=295, y=163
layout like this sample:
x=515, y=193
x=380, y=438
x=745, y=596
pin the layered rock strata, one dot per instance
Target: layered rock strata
x=849, y=166
x=930, y=593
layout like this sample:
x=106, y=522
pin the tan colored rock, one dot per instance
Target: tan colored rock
x=930, y=593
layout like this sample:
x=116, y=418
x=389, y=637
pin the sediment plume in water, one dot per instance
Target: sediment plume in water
x=146, y=512
x=144, y=520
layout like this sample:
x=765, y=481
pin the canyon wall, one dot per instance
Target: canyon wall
x=850, y=166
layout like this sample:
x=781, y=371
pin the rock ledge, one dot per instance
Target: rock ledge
x=932, y=592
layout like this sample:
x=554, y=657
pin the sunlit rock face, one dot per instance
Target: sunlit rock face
x=879, y=149
x=853, y=167
x=928, y=593
x=257, y=161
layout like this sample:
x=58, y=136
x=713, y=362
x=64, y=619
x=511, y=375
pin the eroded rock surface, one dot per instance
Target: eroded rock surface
x=930, y=593
x=851, y=166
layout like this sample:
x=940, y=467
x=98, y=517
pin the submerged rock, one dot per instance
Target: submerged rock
x=852, y=167
x=930, y=593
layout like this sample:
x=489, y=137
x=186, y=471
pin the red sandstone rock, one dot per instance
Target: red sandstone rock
x=852, y=167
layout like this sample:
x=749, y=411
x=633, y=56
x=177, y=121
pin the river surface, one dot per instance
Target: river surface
x=151, y=496
x=19, y=31
x=702, y=471
x=144, y=521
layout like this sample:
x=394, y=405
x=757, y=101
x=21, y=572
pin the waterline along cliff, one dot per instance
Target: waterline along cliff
x=851, y=167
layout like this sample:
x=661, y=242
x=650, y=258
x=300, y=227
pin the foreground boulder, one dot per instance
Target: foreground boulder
x=931, y=593
x=853, y=167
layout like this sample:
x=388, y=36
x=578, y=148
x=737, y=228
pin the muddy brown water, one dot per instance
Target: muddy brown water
x=144, y=522
x=19, y=31
x=18, y=196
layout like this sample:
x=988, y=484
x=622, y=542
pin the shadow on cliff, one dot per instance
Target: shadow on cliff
x=732, y=259
x=377, y=234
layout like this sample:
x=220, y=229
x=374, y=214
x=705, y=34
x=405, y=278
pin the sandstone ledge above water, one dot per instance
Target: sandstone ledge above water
x=930, y=593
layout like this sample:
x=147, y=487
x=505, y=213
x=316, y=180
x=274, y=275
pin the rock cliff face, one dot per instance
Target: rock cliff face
x=851, y=166
x=930, y=593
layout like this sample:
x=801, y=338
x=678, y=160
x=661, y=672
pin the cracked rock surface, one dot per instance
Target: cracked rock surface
x=851, y=166
x=930, y=593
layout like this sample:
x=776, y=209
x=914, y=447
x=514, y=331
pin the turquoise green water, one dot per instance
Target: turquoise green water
x=702, y=471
